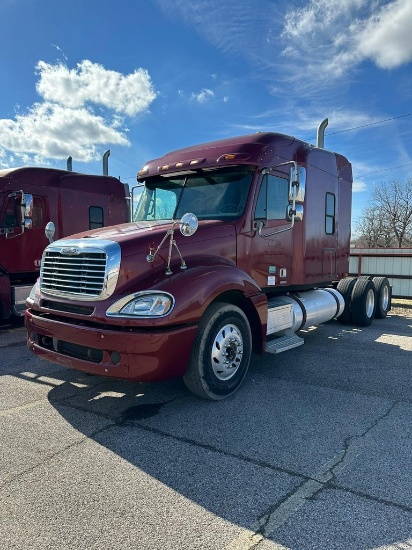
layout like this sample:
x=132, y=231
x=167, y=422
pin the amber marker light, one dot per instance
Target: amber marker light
x=196, y=161
x=143, y=171
x=233, y=156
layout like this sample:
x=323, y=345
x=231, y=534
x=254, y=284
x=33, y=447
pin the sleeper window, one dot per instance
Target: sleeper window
x=330, y=214
x=95, y=217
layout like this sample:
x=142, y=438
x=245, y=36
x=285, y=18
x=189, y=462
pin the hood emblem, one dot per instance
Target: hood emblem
x=71, y=250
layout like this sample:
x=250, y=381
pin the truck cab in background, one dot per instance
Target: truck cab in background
x=29, y=198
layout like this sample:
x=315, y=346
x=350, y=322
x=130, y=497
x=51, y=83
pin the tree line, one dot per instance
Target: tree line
x=387, y=220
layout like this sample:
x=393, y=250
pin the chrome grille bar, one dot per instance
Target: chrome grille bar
x=81, y=270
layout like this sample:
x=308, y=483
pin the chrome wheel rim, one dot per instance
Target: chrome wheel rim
x=227, y=352
x=370, y=303
x=385, y=298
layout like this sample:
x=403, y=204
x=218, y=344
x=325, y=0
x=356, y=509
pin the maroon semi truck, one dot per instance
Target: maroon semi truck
x=235, y=246
x=30, y=197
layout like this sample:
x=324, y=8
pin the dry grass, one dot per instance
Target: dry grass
x=402, y=306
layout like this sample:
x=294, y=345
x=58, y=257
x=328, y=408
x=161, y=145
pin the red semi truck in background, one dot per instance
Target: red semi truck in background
x=262, y=252
x=29, y=199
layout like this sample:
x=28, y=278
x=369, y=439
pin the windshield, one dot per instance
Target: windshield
x=211, y=195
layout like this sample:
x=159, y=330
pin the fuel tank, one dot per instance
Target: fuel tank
x=309, y=308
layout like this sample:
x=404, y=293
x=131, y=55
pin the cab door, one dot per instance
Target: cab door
x=270, y=246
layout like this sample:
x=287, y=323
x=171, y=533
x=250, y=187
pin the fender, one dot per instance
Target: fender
x=195, y=289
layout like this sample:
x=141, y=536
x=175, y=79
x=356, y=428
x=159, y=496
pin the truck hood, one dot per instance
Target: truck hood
x=142, y=237
x=213, y=243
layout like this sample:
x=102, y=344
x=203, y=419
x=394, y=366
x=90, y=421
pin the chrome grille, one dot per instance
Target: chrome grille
x=86, y=272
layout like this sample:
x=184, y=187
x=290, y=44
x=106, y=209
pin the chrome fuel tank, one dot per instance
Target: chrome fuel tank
x=309, y=308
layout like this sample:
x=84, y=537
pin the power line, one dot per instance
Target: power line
x=361, y=126
x=386, y=170
x=366, y=125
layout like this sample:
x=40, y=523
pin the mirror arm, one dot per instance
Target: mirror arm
x=260, y=227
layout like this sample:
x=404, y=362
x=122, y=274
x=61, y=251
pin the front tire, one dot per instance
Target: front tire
x=221, y=352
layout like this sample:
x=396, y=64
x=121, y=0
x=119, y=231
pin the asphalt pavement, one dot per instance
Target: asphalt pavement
x=313, y=452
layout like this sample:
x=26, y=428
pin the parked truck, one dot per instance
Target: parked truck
x=30, y=197
x=235, y=246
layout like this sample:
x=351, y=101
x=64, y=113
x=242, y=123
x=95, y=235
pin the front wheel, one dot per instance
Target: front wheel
x=221, y=352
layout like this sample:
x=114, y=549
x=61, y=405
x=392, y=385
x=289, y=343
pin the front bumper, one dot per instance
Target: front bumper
x=137, y=356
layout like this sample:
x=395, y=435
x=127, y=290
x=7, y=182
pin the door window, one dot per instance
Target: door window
x=273, y=198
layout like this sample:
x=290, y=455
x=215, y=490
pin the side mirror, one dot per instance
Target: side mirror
x=295, y=214
x=27, y=203
x=49, y=231
x=26, y=211
x=297, y=183
x=188, y=224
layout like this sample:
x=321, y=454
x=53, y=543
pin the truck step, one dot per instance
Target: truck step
x=283, y=344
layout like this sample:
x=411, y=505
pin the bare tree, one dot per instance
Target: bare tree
x=371, y=230
x=387, y=220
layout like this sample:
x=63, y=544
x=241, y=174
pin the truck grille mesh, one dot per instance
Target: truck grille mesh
x=81, y=274
x=79, y=271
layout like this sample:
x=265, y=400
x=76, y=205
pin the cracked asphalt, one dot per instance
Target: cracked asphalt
x=313, y=452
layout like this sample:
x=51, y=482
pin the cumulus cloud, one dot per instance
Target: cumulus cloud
x=92, y=83
x=54, y=131
x=336, y=35
x=65, y=123
x=386, y=36
x=204, y=95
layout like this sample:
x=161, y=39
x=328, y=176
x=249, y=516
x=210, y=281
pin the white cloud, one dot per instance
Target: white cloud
x=386, y=38
x=65, y=123
x=204, y=95
x=334, y=35
x=92, y=83
x=53, y=131
x=358, y=186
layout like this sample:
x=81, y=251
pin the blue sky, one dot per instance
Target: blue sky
x=144, y=77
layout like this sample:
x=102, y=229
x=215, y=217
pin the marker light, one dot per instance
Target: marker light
x=234, y=156
x=143, y=171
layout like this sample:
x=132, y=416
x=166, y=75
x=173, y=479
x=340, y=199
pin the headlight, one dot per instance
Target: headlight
x=142, y=304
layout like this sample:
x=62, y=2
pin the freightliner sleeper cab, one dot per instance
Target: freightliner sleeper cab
x=234, y=247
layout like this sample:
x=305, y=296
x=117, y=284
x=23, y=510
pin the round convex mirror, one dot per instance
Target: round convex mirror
x=49, y=231
x=188, y=224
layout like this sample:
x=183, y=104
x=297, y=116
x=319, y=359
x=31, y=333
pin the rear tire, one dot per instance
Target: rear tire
x=363, y=302
x=345, y=287
x=383, y=297
x=221, y=353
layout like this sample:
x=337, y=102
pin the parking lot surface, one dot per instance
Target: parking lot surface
x=313, y=452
